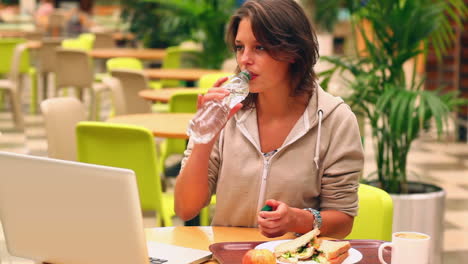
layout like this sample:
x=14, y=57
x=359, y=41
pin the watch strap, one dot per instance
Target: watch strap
x=317, y=217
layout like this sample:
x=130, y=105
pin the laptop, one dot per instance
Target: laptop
x=58, y=211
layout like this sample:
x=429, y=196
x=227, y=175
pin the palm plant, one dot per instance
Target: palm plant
x=397, y=110
x=204, y=21
x=150, y=24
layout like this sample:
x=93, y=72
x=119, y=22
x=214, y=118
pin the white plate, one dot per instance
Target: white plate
x=354, y=255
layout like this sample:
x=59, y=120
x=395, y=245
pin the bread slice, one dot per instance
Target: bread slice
x=332, y=249
x=293, y=245
x=337, y=260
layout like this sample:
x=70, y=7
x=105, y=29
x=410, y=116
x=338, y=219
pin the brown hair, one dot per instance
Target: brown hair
x=282, y=27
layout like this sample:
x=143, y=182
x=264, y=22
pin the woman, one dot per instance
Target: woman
x=289, y=145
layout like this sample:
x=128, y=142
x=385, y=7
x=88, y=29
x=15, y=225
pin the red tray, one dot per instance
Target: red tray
x=232, y=252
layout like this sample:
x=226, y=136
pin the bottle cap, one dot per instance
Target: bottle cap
x=246, y=73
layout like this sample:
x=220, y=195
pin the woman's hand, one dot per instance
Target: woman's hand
x=277, y=222
x=217, y=93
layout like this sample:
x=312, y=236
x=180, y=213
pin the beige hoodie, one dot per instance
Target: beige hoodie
x=317, y=166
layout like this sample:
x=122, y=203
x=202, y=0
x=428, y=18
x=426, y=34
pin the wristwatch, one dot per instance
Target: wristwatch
x=317, y=217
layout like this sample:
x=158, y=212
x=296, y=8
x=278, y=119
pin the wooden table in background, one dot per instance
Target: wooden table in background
x=142, y=54
x=192, y=74
x=164, y=95
x=168, y=125
x=123, y=36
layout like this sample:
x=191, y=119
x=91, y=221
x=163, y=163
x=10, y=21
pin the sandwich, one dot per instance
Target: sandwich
x=309, y=247
x=301, y=248
x=331, y=252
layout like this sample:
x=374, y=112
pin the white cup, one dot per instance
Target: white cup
x=407, y=247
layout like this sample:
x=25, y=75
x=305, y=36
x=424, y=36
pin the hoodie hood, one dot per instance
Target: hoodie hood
x=320, y=106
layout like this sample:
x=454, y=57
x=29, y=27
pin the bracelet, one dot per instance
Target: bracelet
x=317, y=217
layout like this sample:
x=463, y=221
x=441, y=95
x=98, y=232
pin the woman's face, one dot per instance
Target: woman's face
x=266, y=72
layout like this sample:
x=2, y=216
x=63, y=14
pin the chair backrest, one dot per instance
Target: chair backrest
x=118, y=96
x=56, y=23
x=87, y=39
x=104, y=40
x=375, y=215
x=75, y=43
x=179, y=58
x=208, y=80
x=7, y=48
x=131, y=82
x=123, y=146
x=57, y=19
x=47, y=55
x=73, y=68
x=61, y=115
x=16, y=61
x=124, y=63
x=183, y=102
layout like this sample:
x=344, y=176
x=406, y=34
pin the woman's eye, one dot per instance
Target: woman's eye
x=238, y=47
x=260, y=48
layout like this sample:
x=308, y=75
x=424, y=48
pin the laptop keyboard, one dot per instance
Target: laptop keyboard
x=157, y=261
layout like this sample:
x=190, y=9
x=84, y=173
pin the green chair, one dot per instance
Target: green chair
x=181, y=102
x=72, y=43
x=208, y=80
x=125, y=63
x=87, y=39
x=7, y=47
x=375, y=215
x=130, y=147
x=177, y=57
x=205, y=212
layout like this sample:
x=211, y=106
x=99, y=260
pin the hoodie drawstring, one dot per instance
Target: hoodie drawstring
x=317, y=145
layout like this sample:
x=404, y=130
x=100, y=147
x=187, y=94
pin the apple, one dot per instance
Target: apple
x=259, y=256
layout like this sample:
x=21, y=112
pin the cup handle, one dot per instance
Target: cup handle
x=382, y=246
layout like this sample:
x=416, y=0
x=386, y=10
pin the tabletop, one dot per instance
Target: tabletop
x=239, y=239
x=12, y=33
x=201, y=237
x=168, y=125
x=192, y=74
x=143, y=54
x=164, y=95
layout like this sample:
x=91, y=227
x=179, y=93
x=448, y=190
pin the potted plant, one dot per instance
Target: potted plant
x=395, y=104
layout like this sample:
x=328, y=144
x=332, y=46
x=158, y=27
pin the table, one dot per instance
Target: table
x=202, y=237
x=168, y=125
x=123, y=36
x=192, y=74
x=165, y=94
x=143, y=54
x=12, y=33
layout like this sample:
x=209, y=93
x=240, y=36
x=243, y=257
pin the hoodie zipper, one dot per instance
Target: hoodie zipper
x=266, y=168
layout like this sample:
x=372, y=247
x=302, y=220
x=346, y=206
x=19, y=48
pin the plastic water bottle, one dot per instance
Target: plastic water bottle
x=212, y=116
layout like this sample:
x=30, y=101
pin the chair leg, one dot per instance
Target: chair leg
x=16, y=111
x=34, y=92
x=2, y=97
x=92, y=106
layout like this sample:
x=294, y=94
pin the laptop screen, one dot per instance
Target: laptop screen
x=68, y=212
